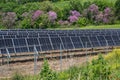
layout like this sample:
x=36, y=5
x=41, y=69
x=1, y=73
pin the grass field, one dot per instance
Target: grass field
x=116, y=26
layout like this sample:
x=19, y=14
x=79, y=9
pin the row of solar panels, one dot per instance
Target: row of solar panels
x=61, y=32
x=53, y=35
x=19, y=45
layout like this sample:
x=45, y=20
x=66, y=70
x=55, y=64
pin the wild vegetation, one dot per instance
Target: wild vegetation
x=105, y=67
x=34, y=14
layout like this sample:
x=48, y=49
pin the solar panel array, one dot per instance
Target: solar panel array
x=19, y=41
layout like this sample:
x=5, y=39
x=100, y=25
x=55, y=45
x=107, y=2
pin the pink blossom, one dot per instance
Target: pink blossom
x=36, y=14
x=52, y=16
x=105, y=20
x=75, y=13
x=107, y=10
x=99, y=17
x=72, y=19
x=61, y=22
x=93, y=9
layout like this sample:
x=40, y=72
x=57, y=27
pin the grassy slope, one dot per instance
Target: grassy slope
x=116, y=26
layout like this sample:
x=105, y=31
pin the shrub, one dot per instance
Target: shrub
x=17, y=76
x=46, y=73
x=76, y=5
x=8, y=7
x=99, y=18
x=86, y=4
x=37, y=14
x=73, y=19
x=102, y=4
x=117, y=9
x=41, y=22
x=98, y=69
x=61, y=22
x=75, y=13
x=8, y=19
x=82, y=21
x=25, y=24
x=63, y=13
x=52, y=16
x=27, y=8
x=91, y=12
x=74, y=16
x=46, y=6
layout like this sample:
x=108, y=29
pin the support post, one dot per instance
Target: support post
x=60, y=57
x=106, y=46
x=35, y=59
x=86, y=53
x=8, y=57
x=2, y=62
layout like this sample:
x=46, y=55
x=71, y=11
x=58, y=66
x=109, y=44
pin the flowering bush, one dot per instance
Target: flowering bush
x=75, y=13
x=36, y=14
x=104, y=17
x=74, y=16
x=9, y=19
x=108, y=15
x=61, y=22
x=52, y=16
x=73, y=19
x=93, y=9
x=99, y=18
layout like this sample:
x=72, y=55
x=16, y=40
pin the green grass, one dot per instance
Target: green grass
x=116, y=26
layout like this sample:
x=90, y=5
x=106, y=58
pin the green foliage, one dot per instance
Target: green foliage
x=102, y=4
x=46, y=73
x=46, y=6
x=42, y=22
x=63, y=76
x=82, y=21
x=86, y=4
x=76, y=5
x=27, y=8
x=62, y=13
x=117, y=9
x=25, y=24
x=8, y=7
x=17, y=76
x=98, y=69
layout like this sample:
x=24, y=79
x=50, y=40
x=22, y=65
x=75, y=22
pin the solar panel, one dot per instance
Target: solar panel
x=102, y=40
x=2, y=44
x=56, y=42
x=109, y=40
x=94, y=41
x=67, y=43
x=11, y=50
x=18, y=41
x=45, y=44
x=86, y=42
x=77, y=42
x=8, y=43
x=32, y=41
